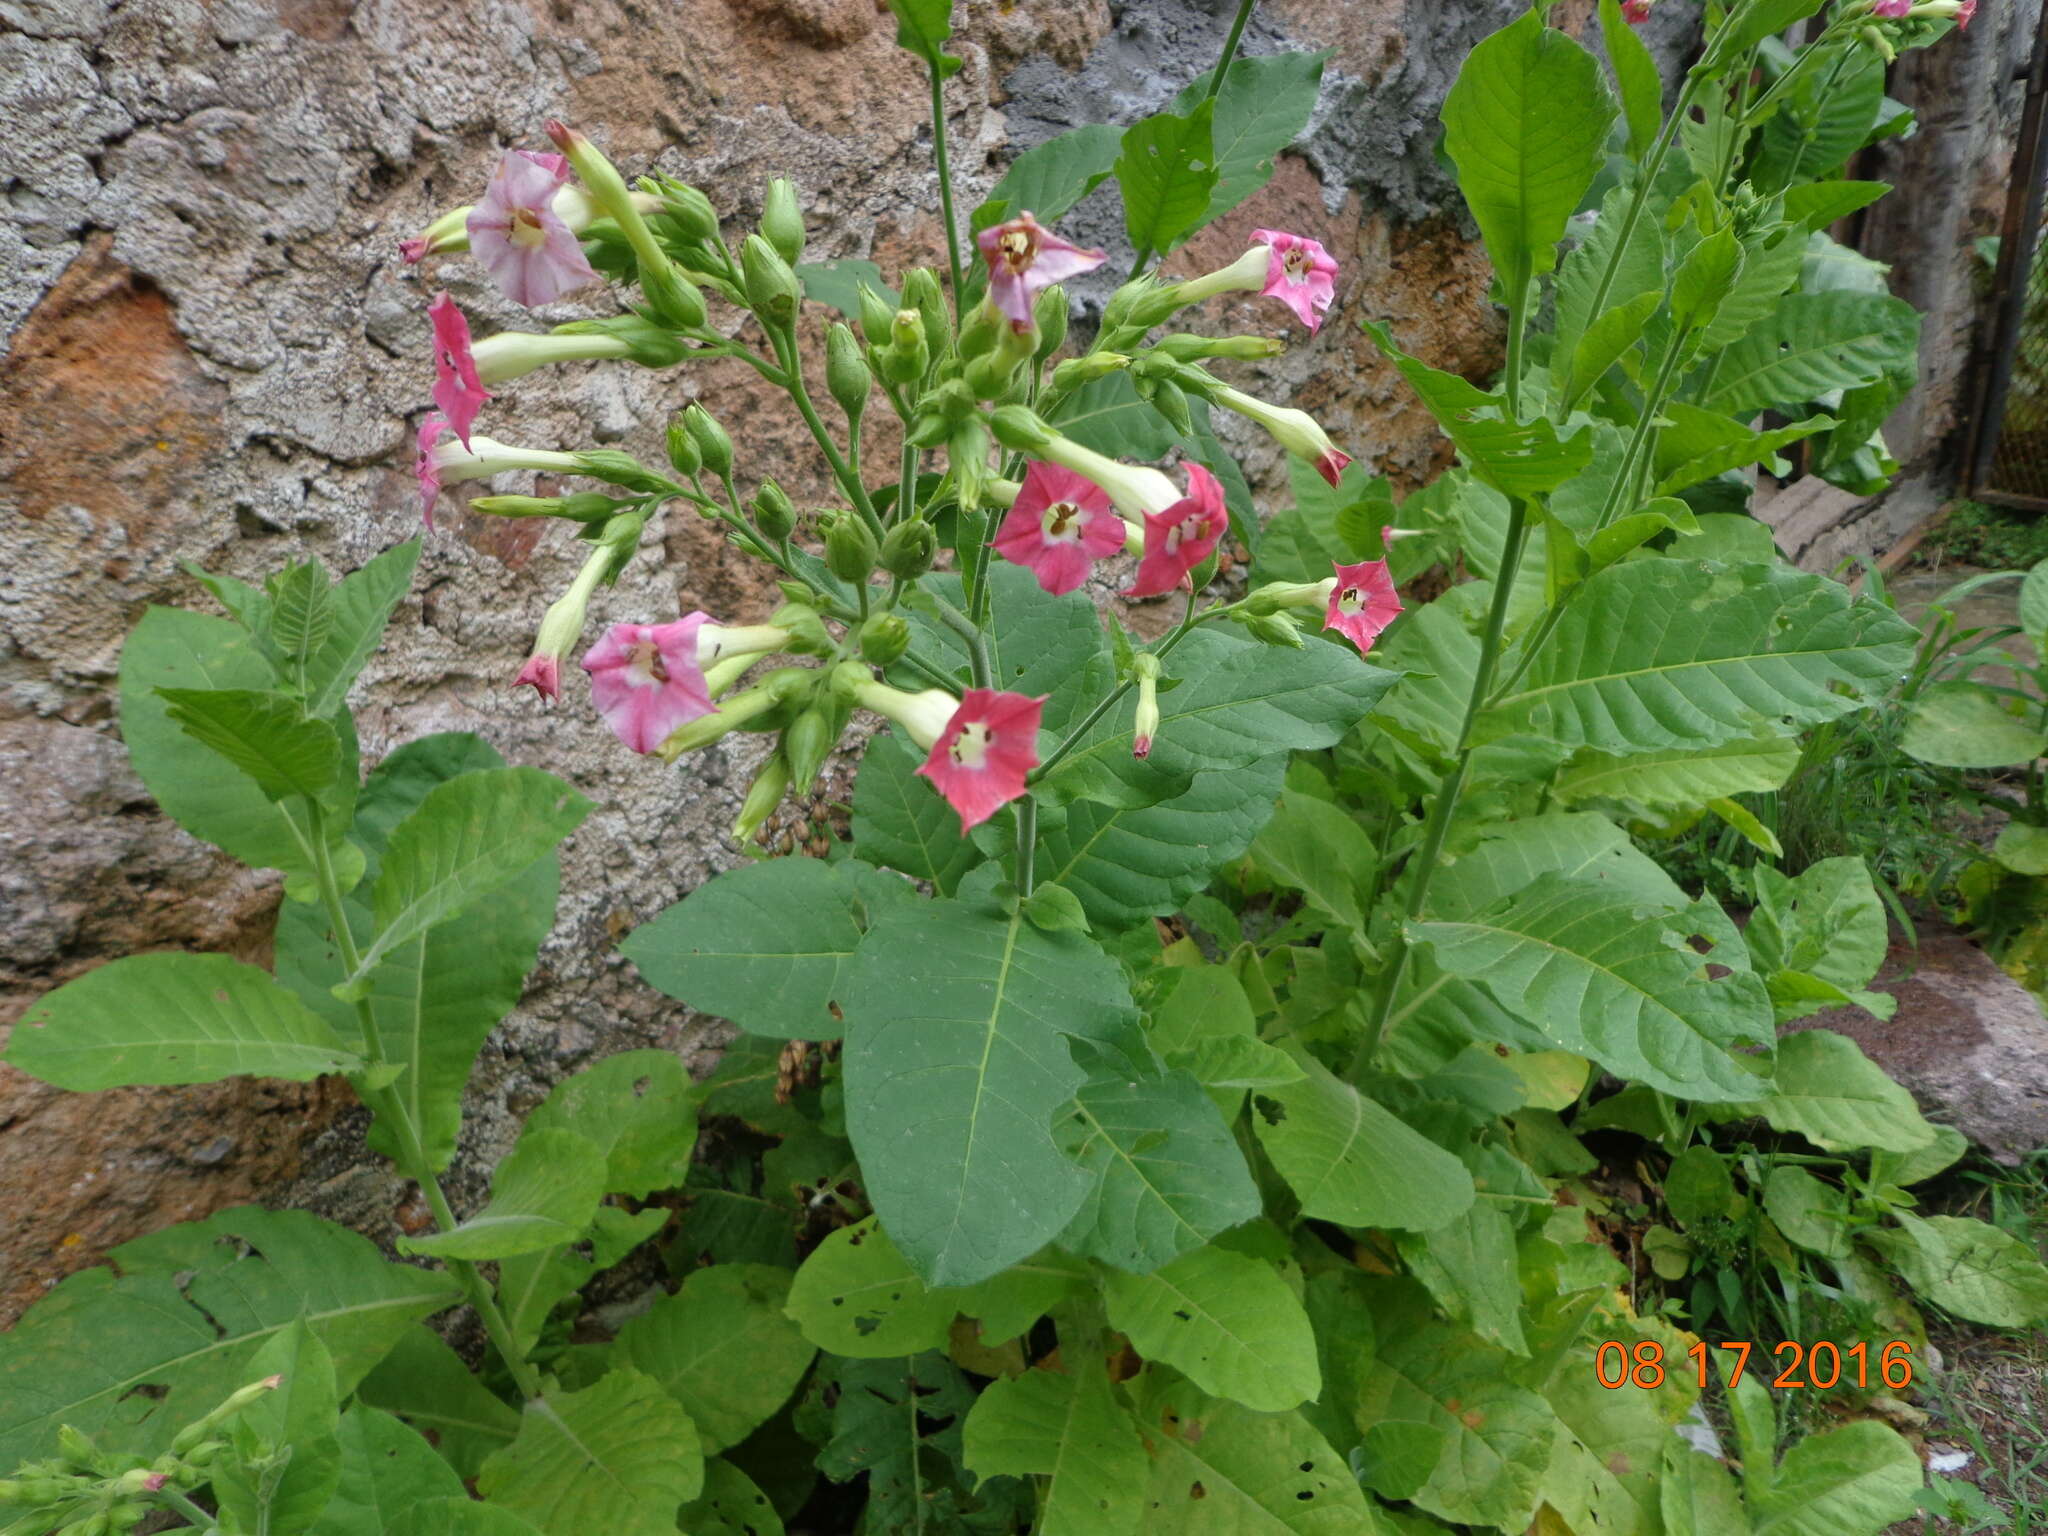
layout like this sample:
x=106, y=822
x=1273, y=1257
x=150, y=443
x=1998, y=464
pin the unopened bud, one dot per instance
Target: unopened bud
x=744, y=709
x=909, y=549
x=1049, y=313
x=763, y=796
x=693, y=211
x=782, y=222
x=615, y=467
x=807, y=633
x=980, y=331
x=713, y=445
x=849, y=548
x=683, y=454
x=774, y=513
x=921, y=292
x=1076, y=371
x=1169, y=400
x=908, y=353
x=806, y=743
x=1145, y=724
x=1274, y=628
x=967, y=452
x=884, y=639
x=1018, y=428
x=877, y=315
x=77, y=1449
x=772, y=288
x=671, y=297
x=1186, y=347
x=846, y=372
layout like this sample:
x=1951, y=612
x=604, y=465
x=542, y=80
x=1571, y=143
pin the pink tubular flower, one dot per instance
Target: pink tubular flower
x=457, y=389
x=1362, y=603
x=1299, y=273
x=1963, y=14
x=981, y=759
x=1635, y=12
x=1182, y=537
x=424, y=467
x=516, y=233
x=543, y=674
x=1024, y=259
x=1891, y=10
x=646, y=679
x=1059, y=526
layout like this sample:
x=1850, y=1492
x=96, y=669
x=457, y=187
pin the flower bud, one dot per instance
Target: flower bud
x=447, y=234
x=1018, y=428
x=712, y=443
x=1049, y=315
x=1185, y=347
x=849, y=548
x=1169, y=400
x=806, y=632
x=616, y=467
x=671, y=297
x=909, y=549
x=908, y=354
x=921, y=292
x=77, y=1449
x=774, y=514
x=683, y=453
x=692, y=210
x=1274, y=628
x=806, y=743
x=782, y=222
x=583, y=507
x=968, y=453
x=763, y=796
x=884, y=639
x=1141, y=304
x=1076, y=371
x=799, y=592
x=980, y=331
x=846, y=372
x=772, y=288
x=877, y=315
x=737, y=713
x=1276, y=596
x=1145, y=725
x=674, y=301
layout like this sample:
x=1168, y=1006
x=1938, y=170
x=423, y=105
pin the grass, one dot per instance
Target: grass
x=1995, y=538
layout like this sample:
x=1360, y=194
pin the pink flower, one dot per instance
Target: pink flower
x=1299, y=273
x=1635, y=12
x=647, y=681
x=457, y=389
x=1363, y=603
x=425, y=469
x=1182, y=537
x=1964, y=13
x=981, y=759
x=516, y=234
x=414, y=250
x=543, y=674
x=1059, y=526
x=1891, y=10
x=1024, y=259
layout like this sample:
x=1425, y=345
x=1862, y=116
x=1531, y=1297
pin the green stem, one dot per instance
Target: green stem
x=1027, y=842
x=1518, y=329
x=946, y=192
x=1188, y=624
x=391, y=1109
x=1441, y=812
x=976, y=642
x=792, y=366
x=172, y=1500
x=906, y=485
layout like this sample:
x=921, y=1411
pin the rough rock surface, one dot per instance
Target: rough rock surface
x=1968, y=1040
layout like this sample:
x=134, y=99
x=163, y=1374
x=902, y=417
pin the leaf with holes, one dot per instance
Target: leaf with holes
x=1068, y=1427
x=386, y=1469
x=1828, y=1091
x=1229, y=1323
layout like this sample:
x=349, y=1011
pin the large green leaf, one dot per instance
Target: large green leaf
x=1334, y=1147
x=1037, y=643
x=1108, y=415
x=543, y=1195
x=1228, y=1323
x=1725, y=450
x=1130, y=863
x=263, y=735
x=1315, y=848
x=768, y=945
x=1823, y=119
x=1963, y=725
x=722, y=1347
x=173, y=1018
x=358, y=610
x=956, y=1063
x=1266, y=101
x=1970, y=1268
x=732, y=1504
x=300, y=1417
x=1636, y=73
x=1049, y=179
x=1666, y=653
x=1166, y=1173
x=468, y=837
x=1468, y=1264
x=857, y=1295
x=1526, y=125
x=1828, y=924
x=532, y=1285
x=386, y=1469
x=1167, y=171
x=1605, y=978
x=615, y=1459
x=432, y=1388
x=639, y=1109
x=900, y=823
x=1845, y=1481
x=1219, y=1469
x=1067, y=1427
x=902, y=1423
x=460, y=1517
x=1812, y=344
x=131, y=1357
x=1685, y=776
x=1828, y=1091
x=1639, y=269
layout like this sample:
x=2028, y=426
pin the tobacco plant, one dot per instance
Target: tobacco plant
x=1152, y=1116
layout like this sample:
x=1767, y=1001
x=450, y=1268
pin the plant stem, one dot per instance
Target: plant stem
x=792, y=366
x=946, y=191
x=178, y=1503
x=1441, y=811
x=906, y=485
x=1027, y=842
x=964, y=627
x=389, y=1107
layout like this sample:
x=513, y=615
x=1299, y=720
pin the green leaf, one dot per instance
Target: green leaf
x=722, y=1347
x=732, y=1504
x=1964, y=725
x=1444, y=1424
x=1677, y=776
x=468, y=837
x=1167, y=170
x=1516, y=459
x=428, y=1385
x=2021, y=848
x=1737, y=450
x=1908, y=1168
x=131, y=1358
x=174, y=649
x=1970, y=1268
x=898, y=822
x=1812, y=344
x=173, y=1018
x=1635, y=71
x=1130, y=863
x=1828, y=1091
x=1698, y=1497
x=1166, y=1173
x=1066, y=1426
x=1313, y=847
x=543, y=1195
x=1038, y=643
x=1827, y=923
x=1266, y=101
x=1333, y=1146
x=1665, y=653
x=1607, y=340
x=1107, y=415
x=1704, y=279
x=1228, y=1323
x=923, y=28
x=837, y=283
x=615, y=1459
x=1765, y=19
x=1606, y=978
x=1772, y=264
x=857, y=1295
x=1823, y=119
x=262, y=735
x=1698, y=1186
x=460, y=1517
x=300, y=617
x=357, y=610
x=1219, y=1469
x=901, y=1422
x=2034, y=603
x=955, y=1073
x=1049, y=179
x=1846, y=1481
x=1810, y=1213
x=1468, y=1265
x=768, y=945
x=532, y=1285
x=1638, y=270
x=1324, y=525
x=639, y=1109
x=300, y=1417
x=1526, y=124
x=386, y=1469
